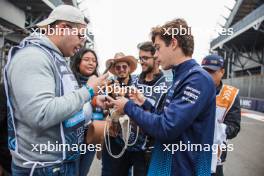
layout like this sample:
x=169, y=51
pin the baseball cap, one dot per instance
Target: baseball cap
x=213, y=62
x=65, y=13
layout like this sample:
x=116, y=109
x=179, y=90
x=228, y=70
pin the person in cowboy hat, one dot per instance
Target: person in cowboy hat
x=122, y=66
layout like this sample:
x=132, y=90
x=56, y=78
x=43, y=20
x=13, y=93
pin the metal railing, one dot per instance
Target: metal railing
x=255, y=17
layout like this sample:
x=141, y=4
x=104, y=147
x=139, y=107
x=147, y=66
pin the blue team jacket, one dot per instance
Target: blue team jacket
x=187, y=117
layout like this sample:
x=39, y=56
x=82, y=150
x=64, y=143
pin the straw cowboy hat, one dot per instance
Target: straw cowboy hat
x=120, y=57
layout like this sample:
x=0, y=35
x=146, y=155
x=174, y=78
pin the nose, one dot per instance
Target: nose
x=122, y=69
x=156, y=54
x=90, y=62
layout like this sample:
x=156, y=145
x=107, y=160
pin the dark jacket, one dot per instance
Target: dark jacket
x=5, y=157
x=188, y=117
x=232, y=120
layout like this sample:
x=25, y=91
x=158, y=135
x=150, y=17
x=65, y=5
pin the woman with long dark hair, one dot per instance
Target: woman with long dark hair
x=85, y=65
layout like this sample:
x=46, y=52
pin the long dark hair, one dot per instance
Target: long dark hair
x=76, y=60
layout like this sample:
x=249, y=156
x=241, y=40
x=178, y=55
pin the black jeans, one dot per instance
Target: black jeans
x=121, y=166
x=219, y=171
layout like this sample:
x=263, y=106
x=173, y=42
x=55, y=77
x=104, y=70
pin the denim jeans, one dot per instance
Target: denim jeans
x=86, y=162
x=122, y=166
x=62, y=169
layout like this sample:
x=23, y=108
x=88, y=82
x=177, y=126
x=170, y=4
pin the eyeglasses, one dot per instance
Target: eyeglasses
x=80, y=36
x=119, y=67
x=145, y=58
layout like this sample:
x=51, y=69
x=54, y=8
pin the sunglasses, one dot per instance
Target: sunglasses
x=119, y=67
x=145, y=58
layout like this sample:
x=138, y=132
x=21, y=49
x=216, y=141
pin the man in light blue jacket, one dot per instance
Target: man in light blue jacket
x=45, y=104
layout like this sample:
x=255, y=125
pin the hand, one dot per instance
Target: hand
x=95, y=82
x=119, y=103
x=101, y=101
x=137, y=97
x=108, y=104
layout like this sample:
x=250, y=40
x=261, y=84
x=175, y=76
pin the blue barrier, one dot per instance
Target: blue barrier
x=252, y=104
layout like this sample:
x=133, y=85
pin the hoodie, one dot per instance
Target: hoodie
x=45, y=103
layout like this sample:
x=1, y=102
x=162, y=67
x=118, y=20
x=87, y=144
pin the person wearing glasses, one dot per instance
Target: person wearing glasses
x=47, y=118
x=122, y=67
x=154, y=85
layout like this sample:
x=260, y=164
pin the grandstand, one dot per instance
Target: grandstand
x=18, y=17
x=243, y=52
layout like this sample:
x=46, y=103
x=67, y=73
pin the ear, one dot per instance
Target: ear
x=174, y=43
x=61, y=26
x=223, y=71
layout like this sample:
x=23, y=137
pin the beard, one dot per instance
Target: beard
x=148, y=70
x=123, y=76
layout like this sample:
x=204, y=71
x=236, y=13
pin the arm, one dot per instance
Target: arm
x=147, y=106
x=180, y=113
x=32, y=82
x=232, y=119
